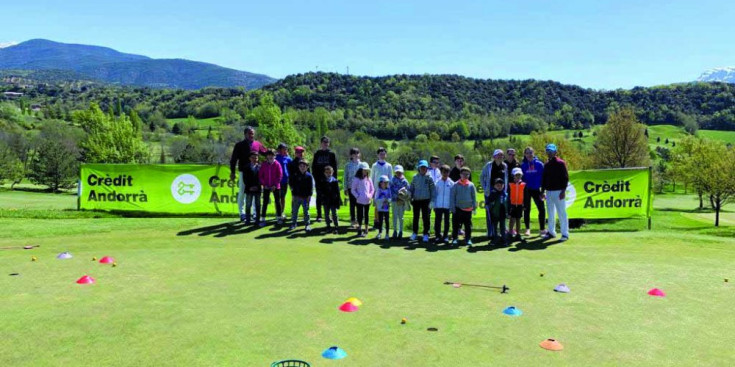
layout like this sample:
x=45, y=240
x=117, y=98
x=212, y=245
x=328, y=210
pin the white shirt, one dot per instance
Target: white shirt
x=435, y=174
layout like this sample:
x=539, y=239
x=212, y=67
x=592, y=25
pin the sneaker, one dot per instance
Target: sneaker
x=446, y=239
x=400, y=235
x=386, y=237
x=395, y=234
x=243, y=217
x=248, y=222
x=413, y=236
x=307, y=229
x=336, y=231
x=542, y=232
x=262, y=223
x=548, y=236
x=279, y=221
x=362, y=234
x=318, y=219
x=469, y=243
x=528, y=232
x=426, y=238
x=564, y=238
x=380, y=234
x=455, y=243
x=461, y=232
x=292, y=227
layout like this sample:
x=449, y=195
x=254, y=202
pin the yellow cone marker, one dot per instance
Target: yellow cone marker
x=354, y=301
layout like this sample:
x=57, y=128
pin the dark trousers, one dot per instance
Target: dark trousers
x=383, y=219
x=267, y=199
x=495, y=222
x=363, y=214
x=319, y=199
x=331, y=211
x=462, y=218
x=540, y=206
x=353, y=206
x=440, y=214
x=421, y=208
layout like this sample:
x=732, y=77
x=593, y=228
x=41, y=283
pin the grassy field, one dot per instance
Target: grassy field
x=206, y=291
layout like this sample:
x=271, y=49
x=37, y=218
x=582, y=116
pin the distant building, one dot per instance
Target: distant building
x=12, y=94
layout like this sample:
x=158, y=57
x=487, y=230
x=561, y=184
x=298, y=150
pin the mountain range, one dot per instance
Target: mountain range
x=106, y=65
x=726, y=75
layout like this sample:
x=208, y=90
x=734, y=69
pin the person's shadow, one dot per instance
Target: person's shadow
x=220, y=230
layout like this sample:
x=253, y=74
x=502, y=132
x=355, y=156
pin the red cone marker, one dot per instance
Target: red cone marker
x=348, y=307
x=107, y=260
x=85, y=280
x=656, y=293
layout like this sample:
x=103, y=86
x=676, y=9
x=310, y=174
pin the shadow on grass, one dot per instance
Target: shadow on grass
x=220, y=230
x=535, y=245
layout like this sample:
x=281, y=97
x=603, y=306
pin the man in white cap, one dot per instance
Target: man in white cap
x=493, y=170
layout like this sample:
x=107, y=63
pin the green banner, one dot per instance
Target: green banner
x=207, y=189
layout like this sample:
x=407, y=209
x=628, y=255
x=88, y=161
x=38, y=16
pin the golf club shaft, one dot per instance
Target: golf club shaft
x=476, y=285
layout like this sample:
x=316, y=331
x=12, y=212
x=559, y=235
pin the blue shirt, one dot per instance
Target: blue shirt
x=285, y=161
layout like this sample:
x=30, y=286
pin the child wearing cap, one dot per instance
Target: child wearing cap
x=302, y=188
x=363, y=190
x=400, y=200
x=441, y=204
x=422, y=190
x=285, y=160
x=497, y=207
x=382, y=204
x=516, y=193
x=270, y=178
x=350, y=170
x=379, y=169
x=252, y=188
x=332, y=199
x=463, y=204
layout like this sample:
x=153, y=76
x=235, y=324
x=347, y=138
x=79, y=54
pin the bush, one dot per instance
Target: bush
x=56, y=163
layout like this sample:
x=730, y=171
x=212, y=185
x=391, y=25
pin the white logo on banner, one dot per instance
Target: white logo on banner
x=186, y=188
x=570, y=195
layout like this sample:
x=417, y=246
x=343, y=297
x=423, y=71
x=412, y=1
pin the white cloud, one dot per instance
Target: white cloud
x=8, y=44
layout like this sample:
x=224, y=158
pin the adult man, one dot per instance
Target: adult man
x=240, y=160
x=434, y=171
x=322, y=158
x=493, y=170
x=555, y=180
x=533, y=170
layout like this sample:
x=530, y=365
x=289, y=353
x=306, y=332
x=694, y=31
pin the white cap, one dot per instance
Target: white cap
x=398, y=168
x=364, y=165
x=517, y=171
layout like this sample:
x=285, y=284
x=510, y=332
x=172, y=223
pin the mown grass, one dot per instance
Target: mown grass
x=208, y=291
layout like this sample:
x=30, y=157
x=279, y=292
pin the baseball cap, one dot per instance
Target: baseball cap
x=551, y=147
x=384, y=178
x=497, y=152
x=398, y=168
x=517, y=171
x=499, y=180
x=423, y=163
x=364, y=165
x=282, y=146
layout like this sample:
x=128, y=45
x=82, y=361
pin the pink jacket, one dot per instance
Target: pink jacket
x=363, y=190
x=270, y=174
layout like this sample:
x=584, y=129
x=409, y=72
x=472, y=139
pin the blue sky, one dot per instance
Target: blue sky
x=595, y=44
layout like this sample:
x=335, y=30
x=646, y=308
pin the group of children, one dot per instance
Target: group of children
x=384, y=189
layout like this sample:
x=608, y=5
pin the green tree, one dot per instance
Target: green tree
x=621, y=142
x=109, y=140
x=273, y=128
x=136, y=121
x=708, y=165
x=56, y=163
x=322, y=119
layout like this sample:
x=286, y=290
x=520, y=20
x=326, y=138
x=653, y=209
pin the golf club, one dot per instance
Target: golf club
x=504, y=288
x=19, y=247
